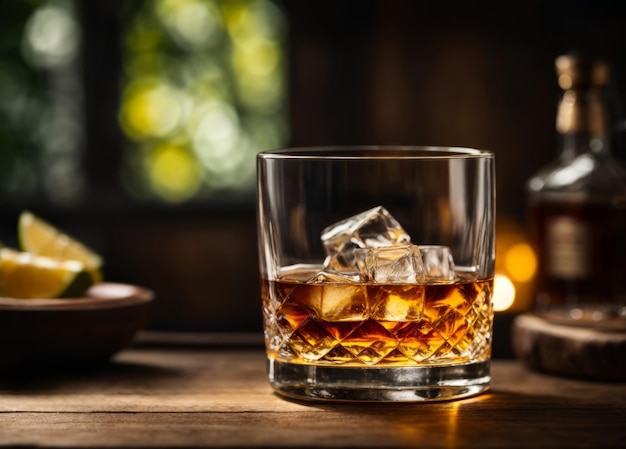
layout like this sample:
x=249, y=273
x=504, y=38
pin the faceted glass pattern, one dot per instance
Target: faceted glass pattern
x=386, y=325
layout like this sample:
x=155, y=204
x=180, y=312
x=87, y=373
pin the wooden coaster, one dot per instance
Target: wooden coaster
x=569, y=350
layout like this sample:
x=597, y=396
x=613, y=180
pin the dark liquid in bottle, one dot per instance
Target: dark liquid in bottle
x=581, y=248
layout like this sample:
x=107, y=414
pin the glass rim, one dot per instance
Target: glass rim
x=360, y=152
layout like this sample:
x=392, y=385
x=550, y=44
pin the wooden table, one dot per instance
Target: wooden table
x=218, y=396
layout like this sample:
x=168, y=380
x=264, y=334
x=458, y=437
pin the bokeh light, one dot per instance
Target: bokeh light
x=520, y=262
x=206, y=76
x=516, y=266
x=151, y=109
x=503, y=293
x=174, y=172
x=194, y=24
x=42, y=133
x=52, y=36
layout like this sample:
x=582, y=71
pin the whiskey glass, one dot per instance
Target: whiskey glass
x=376, y=267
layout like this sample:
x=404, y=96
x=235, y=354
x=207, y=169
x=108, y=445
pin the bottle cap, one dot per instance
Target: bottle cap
x=578, y=72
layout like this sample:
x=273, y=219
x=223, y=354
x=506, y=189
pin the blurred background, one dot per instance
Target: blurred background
x=133, y=124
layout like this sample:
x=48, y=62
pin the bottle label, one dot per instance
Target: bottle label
x=568, y=244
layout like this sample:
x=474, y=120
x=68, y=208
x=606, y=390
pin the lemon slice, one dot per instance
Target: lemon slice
x=41, y=238
x=24, y=275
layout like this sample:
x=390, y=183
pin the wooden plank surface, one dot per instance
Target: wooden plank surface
x=202, y=397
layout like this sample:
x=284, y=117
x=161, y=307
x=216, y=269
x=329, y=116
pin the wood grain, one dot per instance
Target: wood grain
x=151, y=397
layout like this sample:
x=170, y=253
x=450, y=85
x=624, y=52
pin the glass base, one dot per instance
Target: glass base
x=389, y=384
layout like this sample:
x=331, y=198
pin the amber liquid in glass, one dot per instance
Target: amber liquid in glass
x=382, y=325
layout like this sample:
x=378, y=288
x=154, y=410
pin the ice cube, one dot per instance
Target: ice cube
x=466, y=273
x=373, y=228
x=401, y=302
x=400, y=264
x=438, y=262
x=339, y=298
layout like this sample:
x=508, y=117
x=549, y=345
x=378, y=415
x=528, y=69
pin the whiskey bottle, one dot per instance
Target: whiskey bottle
x=577, y=208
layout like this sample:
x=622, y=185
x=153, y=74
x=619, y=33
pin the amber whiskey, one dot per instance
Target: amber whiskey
x=366, y=324
x=577, y=208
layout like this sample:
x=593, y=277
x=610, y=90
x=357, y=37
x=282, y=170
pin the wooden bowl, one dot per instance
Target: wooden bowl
x=86, y=330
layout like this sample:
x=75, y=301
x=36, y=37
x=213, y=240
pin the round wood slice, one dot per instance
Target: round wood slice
x=569, y=350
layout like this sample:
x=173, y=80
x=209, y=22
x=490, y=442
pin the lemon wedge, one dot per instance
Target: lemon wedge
x=40, y=238
x=24, y=275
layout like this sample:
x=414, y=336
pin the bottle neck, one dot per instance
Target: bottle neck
x=575, y=144
x=582, y=123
